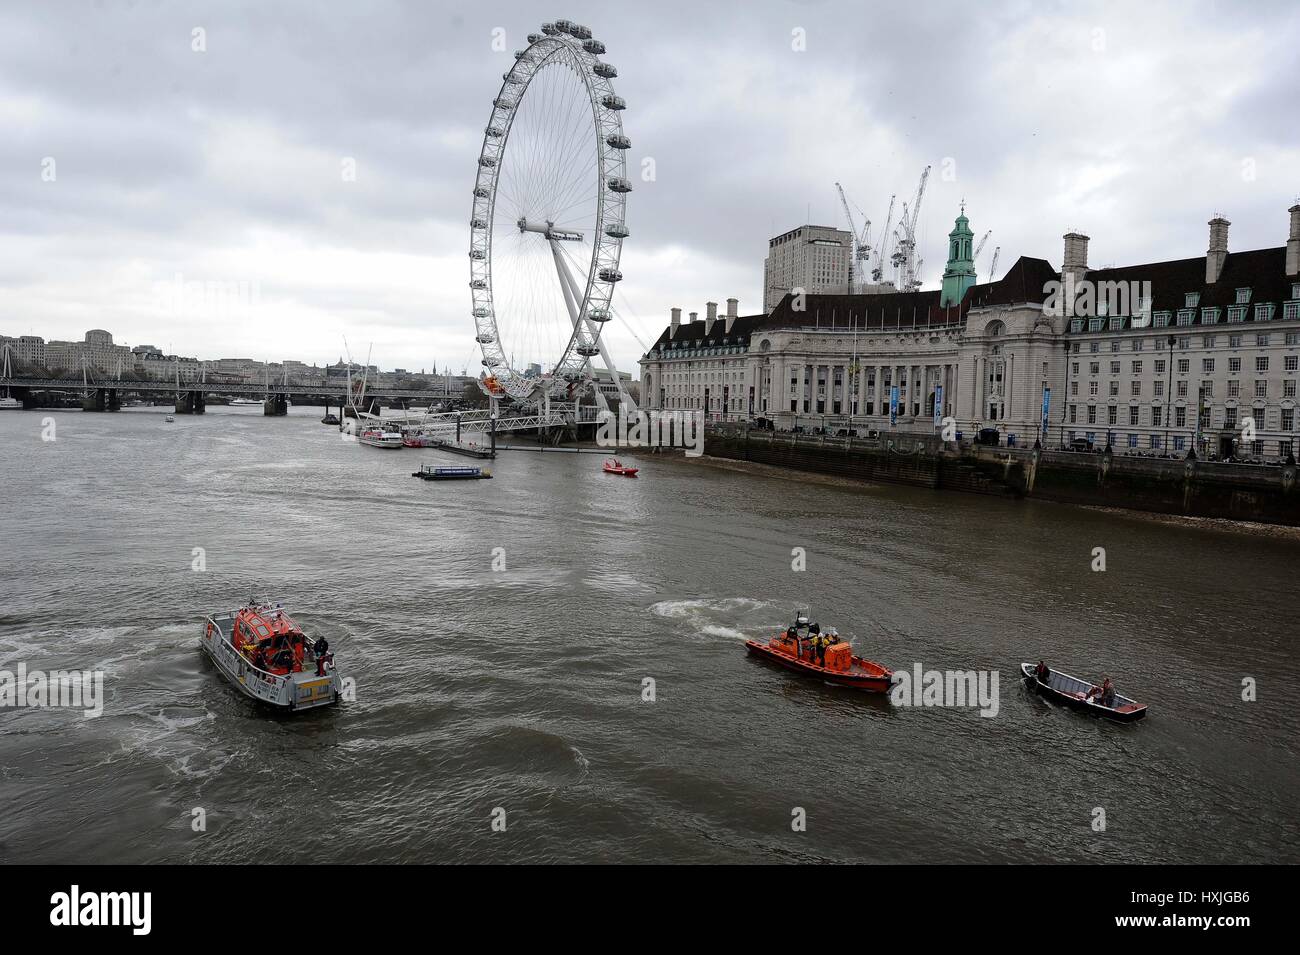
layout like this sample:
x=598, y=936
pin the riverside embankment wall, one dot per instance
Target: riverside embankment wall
x=1191, y=488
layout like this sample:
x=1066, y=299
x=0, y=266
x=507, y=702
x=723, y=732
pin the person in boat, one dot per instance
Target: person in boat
x=1042, y=672
x=320, y=648
x=1104, y=694
x=814, y=638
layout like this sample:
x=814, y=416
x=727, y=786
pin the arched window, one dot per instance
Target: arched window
x=994, y=329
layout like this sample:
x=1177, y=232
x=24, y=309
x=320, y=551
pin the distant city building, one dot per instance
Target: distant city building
x=606, y=384
x=811, y=257
x=1136, y=357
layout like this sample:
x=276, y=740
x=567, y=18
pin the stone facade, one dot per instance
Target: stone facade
x=1100, y=362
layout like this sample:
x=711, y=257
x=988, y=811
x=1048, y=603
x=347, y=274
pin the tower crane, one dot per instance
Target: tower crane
x=879, y=270
x=861, y=244
x=904, y=257
x=980, y=247
x=993, y=268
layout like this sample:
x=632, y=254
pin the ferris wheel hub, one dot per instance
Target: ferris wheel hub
x=548, y=229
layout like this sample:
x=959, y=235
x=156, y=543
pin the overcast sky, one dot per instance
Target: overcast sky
x=1133, y=122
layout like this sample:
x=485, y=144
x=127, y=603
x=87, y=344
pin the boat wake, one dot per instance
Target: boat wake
x=731, y=618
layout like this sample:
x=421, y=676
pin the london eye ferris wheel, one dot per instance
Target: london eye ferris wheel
x=549, y=221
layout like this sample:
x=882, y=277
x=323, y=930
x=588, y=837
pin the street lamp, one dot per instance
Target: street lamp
x=1065, y=398
x=1169, y=394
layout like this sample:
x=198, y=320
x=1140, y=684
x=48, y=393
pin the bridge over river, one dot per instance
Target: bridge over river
x=191, y=396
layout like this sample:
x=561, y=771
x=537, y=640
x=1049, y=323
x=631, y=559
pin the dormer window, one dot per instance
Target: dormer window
x=1295, y=290
x=1210, y=316
x=1243, y=296
x=1191, y=299
x=1162, y=319
x=1264, y=312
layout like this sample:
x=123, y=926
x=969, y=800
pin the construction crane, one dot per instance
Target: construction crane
x=861, y=245
x=904, y=257
x=993, y=268
x=980, y=247
x=879, y=270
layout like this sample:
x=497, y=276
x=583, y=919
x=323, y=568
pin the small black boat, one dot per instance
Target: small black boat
x=330, y=419
x=1078, y=694
x=430, y=473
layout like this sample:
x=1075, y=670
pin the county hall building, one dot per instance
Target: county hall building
x=1134, y=357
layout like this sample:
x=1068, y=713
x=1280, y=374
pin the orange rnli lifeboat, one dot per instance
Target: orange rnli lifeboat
x=615, y=466
x=269, y=639
x=805, y=649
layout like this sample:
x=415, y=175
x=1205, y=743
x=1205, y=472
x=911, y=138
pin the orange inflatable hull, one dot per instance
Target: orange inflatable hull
x=850, y=671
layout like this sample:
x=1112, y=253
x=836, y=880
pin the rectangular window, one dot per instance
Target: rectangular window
x=1261, y=341
x=1133, y=440
x=1162, y=320
x=1135, y=389
x=1094, y=324
x=1074, y=414
x=1289, y=362
x=1185, y=316
x=1234, y=364
x=1229, y=418
x=1132, y=415
x=1207, y=364
x=1114, y=368
x=1159, y=388
x=1184, y=365
x=1185, y=342
x=1092, y=388
x=1094, y=347
x=1114, y=389
x=1114, y=346
x=1288, y=419
x=1234, y=389
x=1207, y=341
x=1192, y=299
x=1112, y=415
x=1210, y=316
x=1137, y=367
x=1155, y=442
x=1180, y=417
x=1261, y=363
x=1182, y=389
x=1094, y=367
x=1243, y=296
x=1207, y=389
x=1157, y=414
x=1264, y=312
x=1136, y=344
x=1116, y=324
x=1288, y=389
x=1076, y=326
x=1261, y=387
x=1074, y=367
x=1180, y=442
x=1074, y=387
x=1291, y=311
x=1160, y=366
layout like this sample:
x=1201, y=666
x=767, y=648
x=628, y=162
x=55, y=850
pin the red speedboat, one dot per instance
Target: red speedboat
x=615, y=466
x=794, y=650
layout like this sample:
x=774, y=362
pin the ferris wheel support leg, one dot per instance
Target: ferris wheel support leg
x=572, y=294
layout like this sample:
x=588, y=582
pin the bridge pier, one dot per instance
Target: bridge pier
x=191, y=402
x=275, y=406
x=103, y=399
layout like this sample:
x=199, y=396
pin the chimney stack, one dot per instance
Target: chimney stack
x=732, y=303
x=1075, y=262
x=695, y=317
x=1218, y=251
x=1293, y=243
x=676, y=323
x=711, y=317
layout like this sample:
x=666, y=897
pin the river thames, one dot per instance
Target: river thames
x=521, y=689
